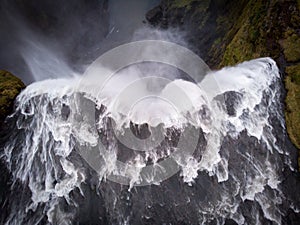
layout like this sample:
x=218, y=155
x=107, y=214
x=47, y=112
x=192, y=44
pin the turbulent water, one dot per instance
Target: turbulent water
x=238, y=172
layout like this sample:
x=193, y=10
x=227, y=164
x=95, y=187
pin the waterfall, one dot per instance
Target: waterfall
x=71, y=162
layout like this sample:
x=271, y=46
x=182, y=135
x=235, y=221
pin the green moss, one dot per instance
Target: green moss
x=292, y=84
x=248, y=40
x=10, y=87
x=218, y=41
x=294, y=73
x=291, y=46
x=228, y=23
x=292, y=113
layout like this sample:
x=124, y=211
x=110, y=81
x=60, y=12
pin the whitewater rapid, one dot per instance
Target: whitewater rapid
x=235, y=167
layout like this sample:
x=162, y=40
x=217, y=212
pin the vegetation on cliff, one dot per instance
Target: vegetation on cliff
x=10, y=87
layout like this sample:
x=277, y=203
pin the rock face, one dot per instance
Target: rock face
x=226, y=32
x=10, y=87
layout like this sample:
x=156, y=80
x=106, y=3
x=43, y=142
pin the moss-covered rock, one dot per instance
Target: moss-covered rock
x=291, y=45
x=249, y=40
x=266, y=29
x=10, y=87
x=292, y=84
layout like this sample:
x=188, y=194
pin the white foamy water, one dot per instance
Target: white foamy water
x=57, y=117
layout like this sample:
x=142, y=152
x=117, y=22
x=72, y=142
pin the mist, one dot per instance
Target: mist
x=50, y=39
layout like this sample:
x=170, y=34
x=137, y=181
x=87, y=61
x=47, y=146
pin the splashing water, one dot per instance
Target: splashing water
x=235, y=173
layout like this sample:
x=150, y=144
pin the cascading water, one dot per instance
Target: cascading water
x=68, y=146
x=239, y=171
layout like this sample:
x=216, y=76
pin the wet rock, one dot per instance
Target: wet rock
x=232, y=99
x=229, y=101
